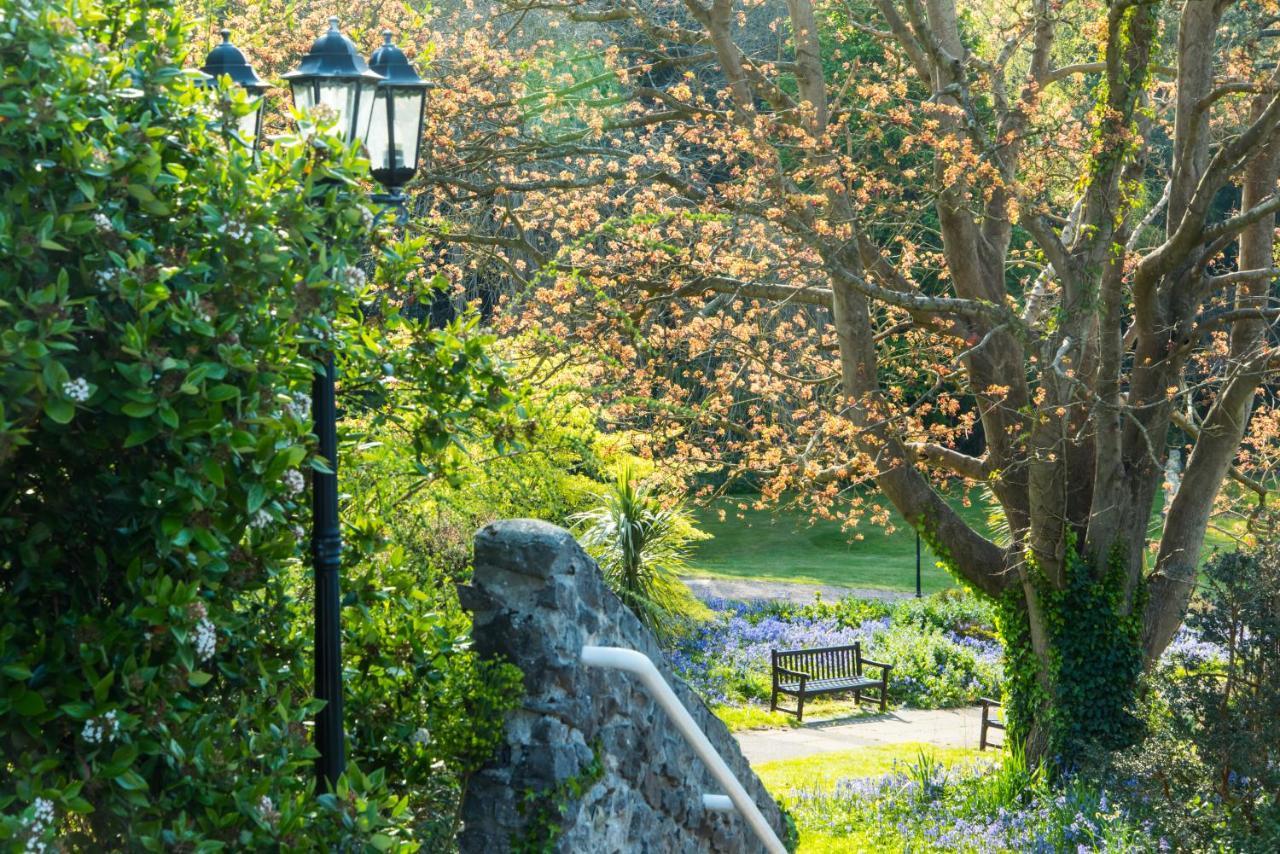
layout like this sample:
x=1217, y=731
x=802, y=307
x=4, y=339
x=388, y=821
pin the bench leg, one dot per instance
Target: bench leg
x=982, y=732
x=857, y=698
x=800, y=707
x=884, y=696
x=773, y=701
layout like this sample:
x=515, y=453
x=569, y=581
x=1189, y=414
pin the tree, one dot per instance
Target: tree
x=701, y=224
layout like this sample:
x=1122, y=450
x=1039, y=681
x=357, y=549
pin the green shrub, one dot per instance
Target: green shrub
x=849, y=612
x=162, y=302
x=934, y=671
x=1208, y=770
x=958, y=611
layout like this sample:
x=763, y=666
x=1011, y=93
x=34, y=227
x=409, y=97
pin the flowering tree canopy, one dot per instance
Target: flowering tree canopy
x=1027, y=245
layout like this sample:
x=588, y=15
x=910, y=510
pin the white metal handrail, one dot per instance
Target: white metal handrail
x=638, y=663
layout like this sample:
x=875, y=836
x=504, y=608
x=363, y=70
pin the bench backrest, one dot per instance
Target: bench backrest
x=826, y=662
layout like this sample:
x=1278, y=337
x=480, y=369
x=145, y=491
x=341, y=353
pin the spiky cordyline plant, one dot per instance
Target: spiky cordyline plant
x=640, y=544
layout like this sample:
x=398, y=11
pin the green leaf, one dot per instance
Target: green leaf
x=16, y=671
x=29, y=704
x=257, y=497
x=61, y=411
x=130, y=781
x=196, y=678
x=138, y=410
x=213, y=471
x=77, y=711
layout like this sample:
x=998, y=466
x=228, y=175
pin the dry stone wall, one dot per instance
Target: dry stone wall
x=588, y=749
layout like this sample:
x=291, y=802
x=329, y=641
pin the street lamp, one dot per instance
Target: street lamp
x=333, y=75
x=227, y=59
x=395, y=129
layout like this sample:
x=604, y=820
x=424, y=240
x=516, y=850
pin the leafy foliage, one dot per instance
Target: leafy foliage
x=1094, y=662
x=1211, y=768
x=162, y=306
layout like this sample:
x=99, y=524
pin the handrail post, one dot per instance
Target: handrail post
x=640, y=665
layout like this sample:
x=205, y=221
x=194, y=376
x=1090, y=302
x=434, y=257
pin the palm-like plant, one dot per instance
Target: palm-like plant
x=641, y=546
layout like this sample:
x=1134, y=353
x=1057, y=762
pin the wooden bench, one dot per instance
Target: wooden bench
x=804, y=673
x=989, y=721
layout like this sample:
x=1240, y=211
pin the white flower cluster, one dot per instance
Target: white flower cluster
x=40, y=821
x=103, y=222
x=267, y=809
x=298, y=532
x=206, y=638
x=97, y=730
x=366, y=218
x=77, y=389
x=422, y=736
x=354, y=278
x=300, y=406
x=108, y=277
x=235, y=230
x=293, y=481
x=261, y=519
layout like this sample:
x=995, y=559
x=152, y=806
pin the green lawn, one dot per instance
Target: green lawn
x=823, y=770
x=781, y=545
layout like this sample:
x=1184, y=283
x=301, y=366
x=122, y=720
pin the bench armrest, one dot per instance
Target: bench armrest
x=987, y=701
x=877, y=664
x=799, y=674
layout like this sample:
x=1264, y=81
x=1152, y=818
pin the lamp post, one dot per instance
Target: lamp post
x=226, y=60
x=917, y=564
x=395, y=131
x=333, y=75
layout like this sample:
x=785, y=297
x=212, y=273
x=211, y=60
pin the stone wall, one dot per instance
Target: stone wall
x=592, y=738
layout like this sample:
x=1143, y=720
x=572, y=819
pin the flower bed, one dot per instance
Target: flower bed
x=942, y=648
x=924, y=806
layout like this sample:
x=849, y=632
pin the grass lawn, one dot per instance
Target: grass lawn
x=758, y=716
x=822, y=770
x=781, y=545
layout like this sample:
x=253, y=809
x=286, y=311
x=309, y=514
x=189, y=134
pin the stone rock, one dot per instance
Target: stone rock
x=537, y=600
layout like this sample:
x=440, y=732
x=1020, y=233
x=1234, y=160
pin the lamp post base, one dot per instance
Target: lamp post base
x=394, y=199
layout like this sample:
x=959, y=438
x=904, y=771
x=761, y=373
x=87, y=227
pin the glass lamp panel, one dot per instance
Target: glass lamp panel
x=408, y=132
x=378, y=136
x=303, y=94
x=340, y=96
x=364, y=100
x=249, y=122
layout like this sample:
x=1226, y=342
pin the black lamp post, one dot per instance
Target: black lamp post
x=395, y=129
x=333, y=75
x=917, y=564
x=226, y=59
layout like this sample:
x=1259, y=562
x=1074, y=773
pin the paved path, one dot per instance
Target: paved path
x=730, y=588
x=949, y=727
